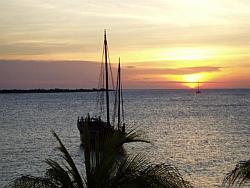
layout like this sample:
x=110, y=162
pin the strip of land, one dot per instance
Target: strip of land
x=56, y=90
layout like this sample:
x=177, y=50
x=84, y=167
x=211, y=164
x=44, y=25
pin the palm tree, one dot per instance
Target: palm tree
x=239, y=176
x=105, y=167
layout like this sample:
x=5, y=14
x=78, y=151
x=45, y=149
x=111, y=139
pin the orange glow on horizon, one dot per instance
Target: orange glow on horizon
x=192, y=80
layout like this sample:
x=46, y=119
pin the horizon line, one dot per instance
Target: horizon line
x=63, y=88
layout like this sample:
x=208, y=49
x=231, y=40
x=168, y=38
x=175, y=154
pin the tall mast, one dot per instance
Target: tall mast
x=107, y=76
x=119, y=94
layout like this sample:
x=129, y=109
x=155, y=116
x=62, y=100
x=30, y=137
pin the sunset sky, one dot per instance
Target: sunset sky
x=162, y=43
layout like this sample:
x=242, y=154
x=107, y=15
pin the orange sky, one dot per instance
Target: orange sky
x=162, y=44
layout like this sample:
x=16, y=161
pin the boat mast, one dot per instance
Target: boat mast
x=107, y=76
x=119, y=94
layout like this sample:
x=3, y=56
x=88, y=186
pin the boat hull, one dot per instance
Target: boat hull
x=96, y=130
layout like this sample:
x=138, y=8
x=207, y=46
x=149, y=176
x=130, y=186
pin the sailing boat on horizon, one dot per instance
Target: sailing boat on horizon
x=198, y=91
x=97, y=127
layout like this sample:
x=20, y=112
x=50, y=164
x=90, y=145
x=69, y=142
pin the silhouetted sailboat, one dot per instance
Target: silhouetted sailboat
x=198, y=88
x=96, y=126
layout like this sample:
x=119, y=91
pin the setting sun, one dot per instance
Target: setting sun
x=185, y=42
x=191, y=80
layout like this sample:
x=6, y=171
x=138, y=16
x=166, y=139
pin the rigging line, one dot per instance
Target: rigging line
x=115, y=104
x=102, y=67
x=119, y=96
x=101, y=72
x=99, y=100
x=102, y=86
x=112, y=78
x=112, y=81
x=122, y=104
x=100, y=75
x=98, y=95
x=103, y=80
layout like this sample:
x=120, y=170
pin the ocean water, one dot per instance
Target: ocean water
x=203, y=135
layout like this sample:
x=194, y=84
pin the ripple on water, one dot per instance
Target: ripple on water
x=203, y=135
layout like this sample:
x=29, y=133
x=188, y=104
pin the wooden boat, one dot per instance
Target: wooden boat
x=96, y=127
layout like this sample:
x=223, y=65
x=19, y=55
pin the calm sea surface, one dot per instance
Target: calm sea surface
x=203, y=135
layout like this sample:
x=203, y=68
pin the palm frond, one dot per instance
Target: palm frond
x=134, y=136
x=101, y=160
x=32, y=182
x=58, y=175
x=104, y=169
x=239, y=175
x=72, y=167
x=137, y=172
x=164, y=175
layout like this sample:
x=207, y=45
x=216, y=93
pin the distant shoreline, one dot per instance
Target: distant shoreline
x=56, y=90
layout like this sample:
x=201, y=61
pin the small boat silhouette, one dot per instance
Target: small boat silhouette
x=198, y=89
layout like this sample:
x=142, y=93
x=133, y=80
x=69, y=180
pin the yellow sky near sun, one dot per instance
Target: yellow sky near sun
x=147, y=35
